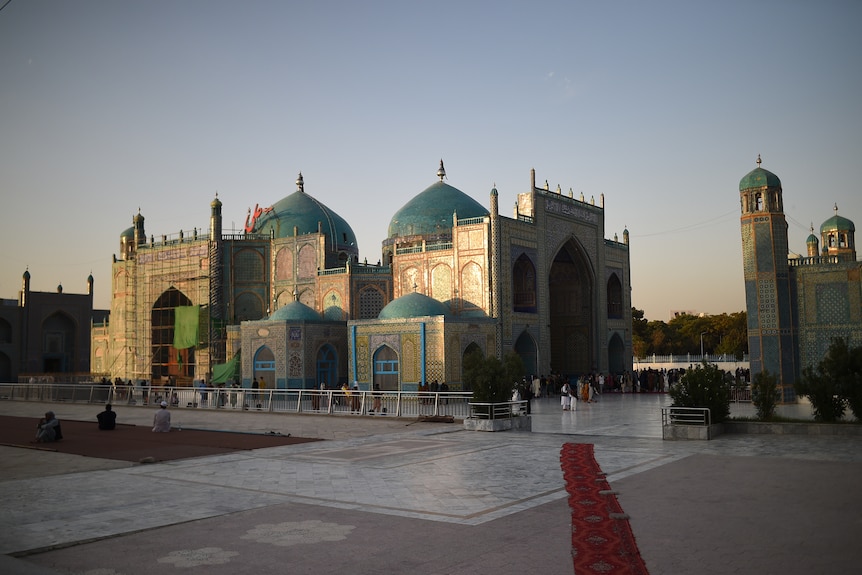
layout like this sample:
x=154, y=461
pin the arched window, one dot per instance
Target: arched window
x=386, y=369
x=524, y=285
x=615, y=297
x=370, y=303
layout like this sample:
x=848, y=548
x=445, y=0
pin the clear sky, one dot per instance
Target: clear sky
x=110, y=106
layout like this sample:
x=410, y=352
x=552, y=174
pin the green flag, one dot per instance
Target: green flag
x=186, y=322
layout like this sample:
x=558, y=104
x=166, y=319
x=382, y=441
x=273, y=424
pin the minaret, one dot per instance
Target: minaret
x=768, y=289
x=813, y=244
x=496, y=303
x=138, y=223
x=217, y=335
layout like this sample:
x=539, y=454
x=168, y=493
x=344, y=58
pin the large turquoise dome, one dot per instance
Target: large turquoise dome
x=303, y=212
x=413, y=305
x=757, y=178
x=295, y=311
x=430, y=213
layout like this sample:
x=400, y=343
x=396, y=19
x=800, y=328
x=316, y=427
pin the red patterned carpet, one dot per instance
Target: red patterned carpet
x=134, y=443
x=602, y=539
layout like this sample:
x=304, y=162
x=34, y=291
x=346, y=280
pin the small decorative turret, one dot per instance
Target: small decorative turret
x=813, y=244
x=25, y=288
x=215, y=220
x=626, y=236
x=90, y=284
x=138, y=224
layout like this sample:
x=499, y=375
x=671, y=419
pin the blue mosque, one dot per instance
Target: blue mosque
x=288, y=301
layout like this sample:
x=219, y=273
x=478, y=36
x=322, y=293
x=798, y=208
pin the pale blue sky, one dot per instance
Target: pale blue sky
x=108, y=106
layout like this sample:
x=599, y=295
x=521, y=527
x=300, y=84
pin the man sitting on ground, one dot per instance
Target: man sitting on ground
x=48, y=429
x=108, y=418
x=162, y=418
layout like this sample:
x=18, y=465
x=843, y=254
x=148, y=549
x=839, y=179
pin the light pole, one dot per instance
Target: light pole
x=701, y=344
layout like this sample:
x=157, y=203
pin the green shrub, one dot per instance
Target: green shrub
x=835, y=384
x=492, y=380
x=764, y=394
x=703, y=386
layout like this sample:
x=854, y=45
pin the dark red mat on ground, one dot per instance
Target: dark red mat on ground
x=134, y=443
x=602, y=539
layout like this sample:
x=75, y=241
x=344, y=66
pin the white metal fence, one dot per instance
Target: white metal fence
x=322, y=402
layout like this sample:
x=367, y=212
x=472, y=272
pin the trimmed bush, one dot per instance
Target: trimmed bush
x=703, y=386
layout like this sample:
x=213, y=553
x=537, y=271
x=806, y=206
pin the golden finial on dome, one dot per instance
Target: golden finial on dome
x=441, y=172
x=300, y=184
x=758, y=160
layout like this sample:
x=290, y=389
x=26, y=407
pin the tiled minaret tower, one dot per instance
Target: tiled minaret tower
x=771, y=335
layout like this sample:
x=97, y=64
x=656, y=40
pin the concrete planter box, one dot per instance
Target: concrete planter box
x=766, y=427
x=698, y=432
x=518, y=423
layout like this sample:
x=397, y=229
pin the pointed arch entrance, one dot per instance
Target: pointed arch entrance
x=386, y=368
x=570, y=289
x=327, y=366
x=616, y=355
x=526, y=347
x=58, y=343
x=166, y=359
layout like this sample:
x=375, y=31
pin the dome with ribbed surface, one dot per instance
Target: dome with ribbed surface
x=413, y=305
x=757, y=178
x=837, y=223
x=303, y=212
x=430, y=213
x=295, y=311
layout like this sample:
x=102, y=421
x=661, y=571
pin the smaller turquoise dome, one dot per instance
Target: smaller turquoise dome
x=294, y=311
x=128, y=233
x=836, y=223
x=413, y=305
x=757, y=178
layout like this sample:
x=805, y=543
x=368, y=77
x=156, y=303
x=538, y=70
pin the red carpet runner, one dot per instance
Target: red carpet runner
x=602, y=539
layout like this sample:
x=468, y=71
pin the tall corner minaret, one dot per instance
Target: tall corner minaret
x=768, y=286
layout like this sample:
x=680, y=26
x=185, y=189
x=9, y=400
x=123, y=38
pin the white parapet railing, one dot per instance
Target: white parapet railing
x=406, y=404
x=502, y=410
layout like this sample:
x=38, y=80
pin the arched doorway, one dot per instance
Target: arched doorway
x=616, y=355
x=386, y=369
x=525, y=346
x=570, y=287
x=471, y=348
x=58, y=343
x=264, y=366
x=166, y=359
x=327, y=367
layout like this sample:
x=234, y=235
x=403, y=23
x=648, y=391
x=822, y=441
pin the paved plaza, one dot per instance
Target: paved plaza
x=385, y=495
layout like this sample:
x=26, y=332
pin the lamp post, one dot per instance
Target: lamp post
x=701, y=344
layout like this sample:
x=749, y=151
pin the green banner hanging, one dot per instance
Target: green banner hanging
x=186, y=324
